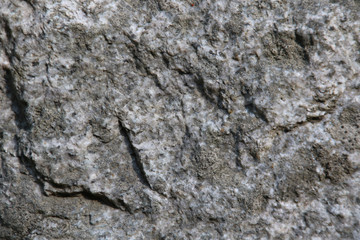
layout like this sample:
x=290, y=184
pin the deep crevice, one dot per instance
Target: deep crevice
x=134, y=153
x=185, y=141
x=299, y=39
x=18, y=105
x=10, y=43
x=238, y=140
x=7, y=29
x=187, y=135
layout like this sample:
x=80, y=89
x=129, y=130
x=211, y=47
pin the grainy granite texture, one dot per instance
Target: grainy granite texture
x=179, y=119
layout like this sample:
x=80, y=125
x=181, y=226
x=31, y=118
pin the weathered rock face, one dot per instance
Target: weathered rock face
x=177, y=119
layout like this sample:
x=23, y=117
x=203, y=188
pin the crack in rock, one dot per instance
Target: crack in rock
x=134, y=153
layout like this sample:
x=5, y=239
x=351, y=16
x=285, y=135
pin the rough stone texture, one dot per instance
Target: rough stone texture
x=179, y=119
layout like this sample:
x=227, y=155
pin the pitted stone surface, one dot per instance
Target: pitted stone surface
x=180, y=119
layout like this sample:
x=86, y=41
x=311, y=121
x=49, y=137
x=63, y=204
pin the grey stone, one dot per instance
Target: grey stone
x=179, y=119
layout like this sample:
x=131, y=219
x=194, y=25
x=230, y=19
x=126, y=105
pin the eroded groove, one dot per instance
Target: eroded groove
x=9, y=44
x=187, y=135
x=300, y=40
x=134, y=153
x=101, y=198
x=185, y=142
x=7, y=29
x=200, y=86
x=98, y=197
x=18, y=105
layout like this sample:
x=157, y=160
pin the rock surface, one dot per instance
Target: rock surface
x=179, y=119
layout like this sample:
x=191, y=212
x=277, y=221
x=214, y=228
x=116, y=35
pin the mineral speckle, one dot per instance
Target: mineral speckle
x=180, y=119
